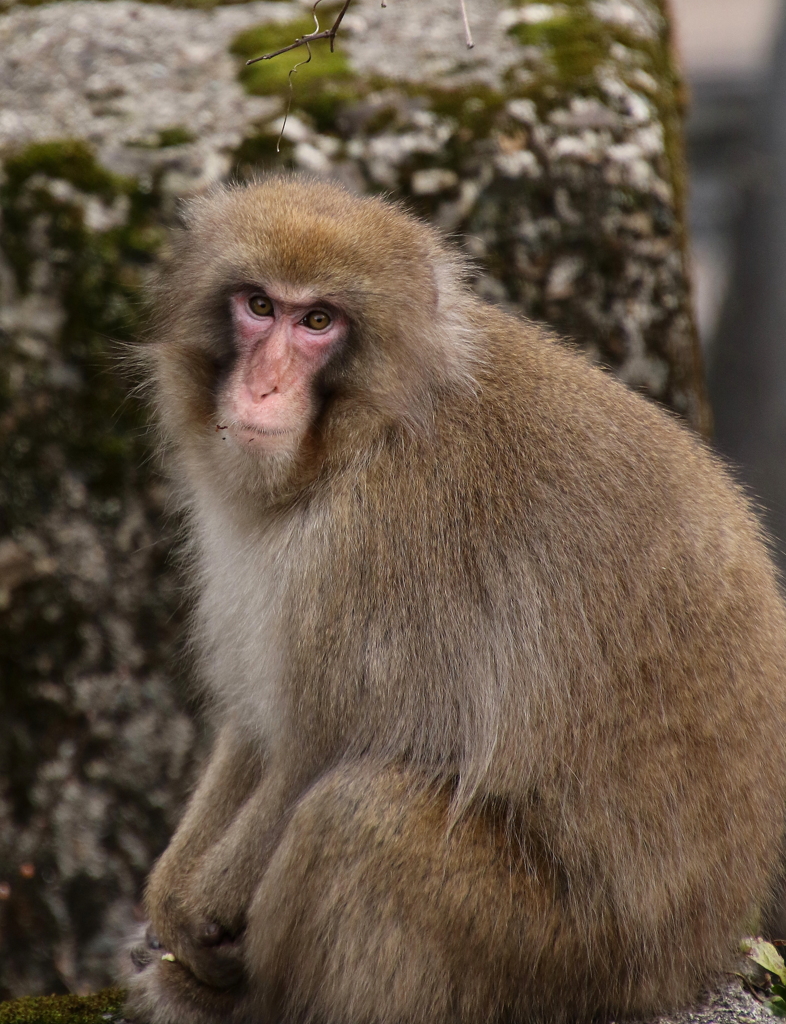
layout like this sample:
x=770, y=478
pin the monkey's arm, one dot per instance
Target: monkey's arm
x=199, y=893
x=233, y=773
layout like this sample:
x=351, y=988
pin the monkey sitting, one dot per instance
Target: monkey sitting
x=494, y=649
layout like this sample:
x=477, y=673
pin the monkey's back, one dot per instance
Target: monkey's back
x=578, y=525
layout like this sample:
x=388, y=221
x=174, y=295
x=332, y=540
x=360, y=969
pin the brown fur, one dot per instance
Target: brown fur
x=497, y=657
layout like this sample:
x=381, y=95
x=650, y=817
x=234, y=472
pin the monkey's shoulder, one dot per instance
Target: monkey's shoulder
x=542, y=403
x=544, y=442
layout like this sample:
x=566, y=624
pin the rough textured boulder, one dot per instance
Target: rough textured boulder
x=552, y=150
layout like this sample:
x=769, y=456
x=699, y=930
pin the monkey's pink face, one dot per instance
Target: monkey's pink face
x=283, y=340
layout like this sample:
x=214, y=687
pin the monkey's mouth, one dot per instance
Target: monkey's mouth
x=239, y=428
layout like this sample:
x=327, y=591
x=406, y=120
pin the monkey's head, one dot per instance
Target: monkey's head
x=290, y=311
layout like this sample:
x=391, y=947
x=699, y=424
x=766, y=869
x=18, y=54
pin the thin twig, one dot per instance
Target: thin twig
x=292, y=92
x=467, y=29
x=328, y=33
x=337, y=22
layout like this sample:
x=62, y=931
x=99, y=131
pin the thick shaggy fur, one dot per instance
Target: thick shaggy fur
x=497, y=659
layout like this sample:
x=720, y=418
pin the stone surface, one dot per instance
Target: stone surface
x=551, y=151
x=730, y=1004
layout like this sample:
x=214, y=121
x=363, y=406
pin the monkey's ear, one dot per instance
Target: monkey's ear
x=188, y=210
x=451, y=270
x=195, y=210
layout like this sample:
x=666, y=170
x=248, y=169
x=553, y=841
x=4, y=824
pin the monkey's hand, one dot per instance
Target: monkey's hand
x=193, y=934
x=197, y=910
x=198, y=906
x=163, y=990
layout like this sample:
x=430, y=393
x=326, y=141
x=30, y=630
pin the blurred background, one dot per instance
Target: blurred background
x=734, y=56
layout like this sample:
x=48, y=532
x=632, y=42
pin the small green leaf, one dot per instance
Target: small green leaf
x=767, y=956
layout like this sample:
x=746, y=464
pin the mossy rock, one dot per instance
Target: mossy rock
x=83, y=554
x=102, y=1008
x=199, y=5
x=97, y=273
x=321, y=81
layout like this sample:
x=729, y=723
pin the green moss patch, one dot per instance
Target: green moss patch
x=101, y=1008
x=575, y=43
x=261, y=152
x=176, y=136
x=97, y=277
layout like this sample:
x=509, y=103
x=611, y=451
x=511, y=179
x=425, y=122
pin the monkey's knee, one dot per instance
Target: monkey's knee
x=373, y=909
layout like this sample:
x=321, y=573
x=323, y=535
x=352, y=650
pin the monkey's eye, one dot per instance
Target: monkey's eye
x=317, y=320
x=260, y=305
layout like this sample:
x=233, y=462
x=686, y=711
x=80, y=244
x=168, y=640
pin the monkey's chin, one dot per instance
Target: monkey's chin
x=249, y=460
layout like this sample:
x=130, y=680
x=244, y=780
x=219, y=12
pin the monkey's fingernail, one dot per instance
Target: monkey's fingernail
x=152, y=940
x=169, y=957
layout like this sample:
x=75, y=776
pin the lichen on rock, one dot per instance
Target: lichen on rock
x=94, y=749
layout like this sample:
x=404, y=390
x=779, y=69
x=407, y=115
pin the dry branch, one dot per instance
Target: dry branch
x=330, y=33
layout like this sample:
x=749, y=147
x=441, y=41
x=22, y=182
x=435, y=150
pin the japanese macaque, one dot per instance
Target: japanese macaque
x=493, y=647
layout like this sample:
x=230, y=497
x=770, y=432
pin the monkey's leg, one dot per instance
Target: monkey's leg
x=371, y=910
x=374, y=911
